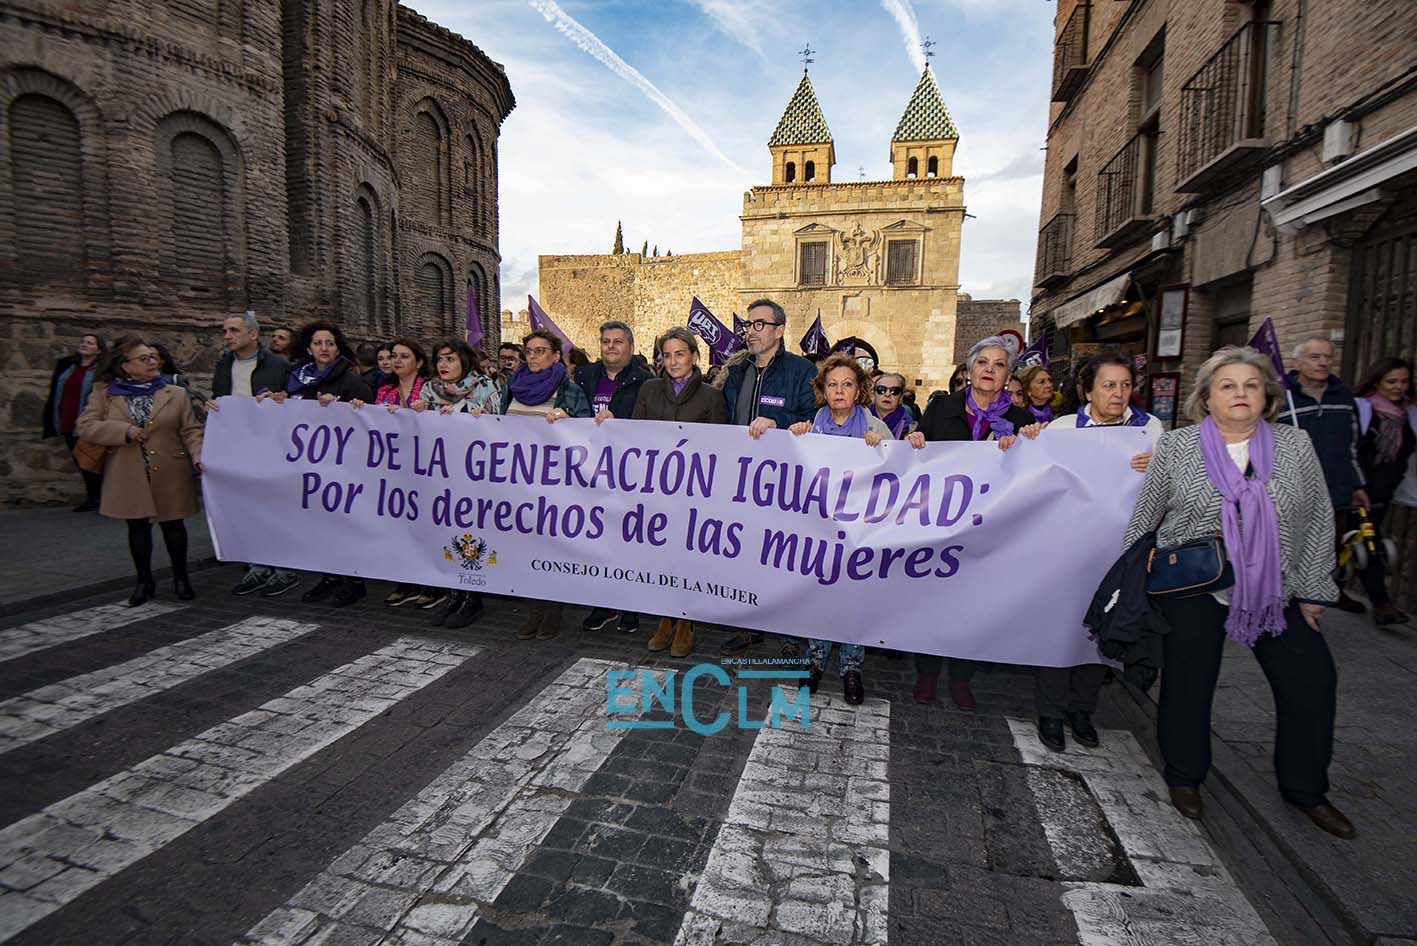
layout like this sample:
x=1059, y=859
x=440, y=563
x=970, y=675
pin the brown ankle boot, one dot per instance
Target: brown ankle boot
x=683, y=639
x=662, y=636
x=550, y=624
x=535, y=611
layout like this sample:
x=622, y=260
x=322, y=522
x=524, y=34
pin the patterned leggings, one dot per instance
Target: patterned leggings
x=849, y=656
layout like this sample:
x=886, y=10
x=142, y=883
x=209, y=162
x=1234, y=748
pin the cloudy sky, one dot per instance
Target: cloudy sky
x=657, y=113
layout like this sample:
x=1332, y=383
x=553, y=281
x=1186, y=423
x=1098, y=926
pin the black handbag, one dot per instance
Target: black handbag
x=1198, y=567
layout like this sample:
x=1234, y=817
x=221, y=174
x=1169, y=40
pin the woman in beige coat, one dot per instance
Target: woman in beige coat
x=154, y=441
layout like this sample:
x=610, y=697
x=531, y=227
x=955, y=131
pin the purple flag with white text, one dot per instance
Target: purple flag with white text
x=847, y=345
x=740, y=326
x=540, y=320
x=1035, y=354
x=815, y=341
x=721, y=342
x=474, y=321
x=1267, y=343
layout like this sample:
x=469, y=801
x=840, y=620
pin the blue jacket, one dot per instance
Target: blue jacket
x=784, y=390
x=1332, y=424
x=627, y=385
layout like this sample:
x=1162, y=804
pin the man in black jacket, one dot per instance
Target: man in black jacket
x=611, y=386
x=246, y=369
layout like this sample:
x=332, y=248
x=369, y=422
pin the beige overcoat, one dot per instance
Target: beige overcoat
x=174, y=444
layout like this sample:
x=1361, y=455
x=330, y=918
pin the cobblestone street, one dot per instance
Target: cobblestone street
x=251, y=771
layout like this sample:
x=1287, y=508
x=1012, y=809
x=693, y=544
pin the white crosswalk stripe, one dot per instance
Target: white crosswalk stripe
x=55, y=855
x=1187, y=895
x=54, y=708
x=804, y=852
x=37, y=635
x=460, y=840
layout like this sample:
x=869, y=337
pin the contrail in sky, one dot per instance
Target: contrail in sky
x=904, y=15
x=568, y=26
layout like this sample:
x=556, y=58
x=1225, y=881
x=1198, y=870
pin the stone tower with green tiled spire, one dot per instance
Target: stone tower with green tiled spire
x=801, y=146
x=924, y=141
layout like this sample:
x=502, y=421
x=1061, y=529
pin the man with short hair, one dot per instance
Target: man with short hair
x=367, y=354
x=246, y=369
x=1326, y=411
x=509, y=355
x=282, y=339
x=770, y=389
x=611, y=385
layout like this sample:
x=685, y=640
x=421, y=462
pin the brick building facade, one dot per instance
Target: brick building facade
x=1212, y=163
x=166, y=164
x=878, y=259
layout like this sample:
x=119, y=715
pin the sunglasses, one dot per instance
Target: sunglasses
x=882, y=389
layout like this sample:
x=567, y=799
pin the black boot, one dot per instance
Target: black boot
x=814, y=677
x=1084, y=732
x=146, y=589
x=467, y=611
x=349, y=591
x=442, y=614
x=182, y=588
x=853, y=687
x=323, y=589
x=1050, y=733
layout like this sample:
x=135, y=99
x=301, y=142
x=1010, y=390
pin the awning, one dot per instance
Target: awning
x=1079, y=308
x=1355, y=182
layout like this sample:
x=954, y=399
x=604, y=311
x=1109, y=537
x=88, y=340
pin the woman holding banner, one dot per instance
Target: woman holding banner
x=842, y=390
x=680, y=395
x=1069, y=694
x=1258, y=485
x=981, y=410
x=542, y=387
x=325, y=371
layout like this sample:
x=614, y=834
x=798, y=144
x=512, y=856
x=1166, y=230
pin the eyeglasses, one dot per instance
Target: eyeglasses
x=882, y=389
x=538, y=350
x=758, y=325
x=144, y=358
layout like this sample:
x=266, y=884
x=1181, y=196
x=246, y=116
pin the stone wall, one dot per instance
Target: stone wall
x=223, y=157
x=980, y=318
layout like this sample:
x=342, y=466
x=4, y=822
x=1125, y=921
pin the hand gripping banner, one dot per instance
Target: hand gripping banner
x=958, y=549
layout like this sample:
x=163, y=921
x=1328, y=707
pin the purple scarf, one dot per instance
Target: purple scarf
x=897, y=420
x=1043, y=415
x=1135, y=418
x=994, y=417
x=537, y=387
x=122, y=387
x=1250, y=526
x=855, y=425
x=308, y=375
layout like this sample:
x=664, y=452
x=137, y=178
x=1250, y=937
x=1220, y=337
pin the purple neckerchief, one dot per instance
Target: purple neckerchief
x=994, y=417
x=1135, y=418
x=308, y=374
x=122, y=387
x=855, y=425
x=1043, y=415
x=1250, y=527
x=680, y=385
x=537, y=387
x=897, y=420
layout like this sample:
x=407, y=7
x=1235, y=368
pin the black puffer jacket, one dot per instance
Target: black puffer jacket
x=1127, y=627
x=342, y=381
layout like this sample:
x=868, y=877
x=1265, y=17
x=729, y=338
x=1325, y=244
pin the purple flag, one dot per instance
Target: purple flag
x=1267, y=343
x=740, y=326
x=815, y=341
x=1035, y=354
x=540, y=320
x=474, y=322
x=847, y=345
x=721, y=342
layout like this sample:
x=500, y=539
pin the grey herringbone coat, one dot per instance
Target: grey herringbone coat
x=1178, y=500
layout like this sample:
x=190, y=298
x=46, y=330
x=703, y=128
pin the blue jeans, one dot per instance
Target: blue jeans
x=849, y=656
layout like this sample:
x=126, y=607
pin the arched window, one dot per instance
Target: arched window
x=932, y=167
x=472, y=180
x=47, y=180
x=791, y=174
x=367, y=261
x=809, y=171
x=366, y=86
x=199, y=214
x=486, y=308
x=429, y=169
x=433, y=301
x=912, y=167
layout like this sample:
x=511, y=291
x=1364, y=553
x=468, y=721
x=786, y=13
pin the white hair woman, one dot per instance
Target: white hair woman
x=981, y=410
x=1260, y=487
x=887, y=403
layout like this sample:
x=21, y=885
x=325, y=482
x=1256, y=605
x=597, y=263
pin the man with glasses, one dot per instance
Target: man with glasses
x=611, y=385
x=770, y=389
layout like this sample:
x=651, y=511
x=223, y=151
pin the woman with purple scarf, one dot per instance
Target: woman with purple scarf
x=842, y=396
x=981, y=410
x=888, y=405
x=1037, y=382
x=154, y=444
x=542, y=387
x=1259, y=486
x=1387, y=421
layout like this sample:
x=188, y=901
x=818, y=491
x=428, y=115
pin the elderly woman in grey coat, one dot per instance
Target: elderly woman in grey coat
x=1260, y=487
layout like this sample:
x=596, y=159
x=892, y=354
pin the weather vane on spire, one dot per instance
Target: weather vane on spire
x=928, y=48
x=806, y=53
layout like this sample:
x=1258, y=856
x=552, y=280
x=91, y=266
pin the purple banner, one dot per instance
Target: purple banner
x=1035, y=354
x=1267, y=343
x=919, y=550
x=815, y=341
x=721, y=342
x=474, y=322
x=540, y=320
